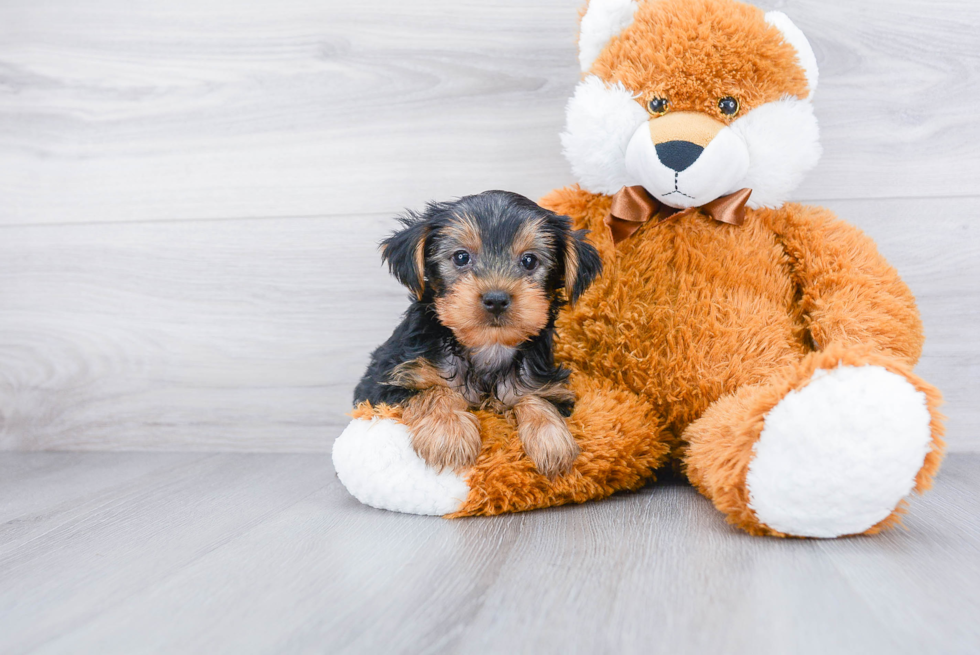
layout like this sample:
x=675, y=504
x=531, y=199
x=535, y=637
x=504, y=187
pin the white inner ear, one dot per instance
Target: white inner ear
x=603, y=20
x=599, y=123
x=794, y=37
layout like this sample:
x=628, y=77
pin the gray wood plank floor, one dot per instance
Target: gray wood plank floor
x=266, y=553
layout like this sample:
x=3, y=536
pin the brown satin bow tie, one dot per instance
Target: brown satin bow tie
x=632, y=206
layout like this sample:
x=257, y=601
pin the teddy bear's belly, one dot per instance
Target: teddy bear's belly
x=685, y=316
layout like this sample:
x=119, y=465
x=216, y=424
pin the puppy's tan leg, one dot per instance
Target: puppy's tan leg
x=544, y=435
x=444, y=433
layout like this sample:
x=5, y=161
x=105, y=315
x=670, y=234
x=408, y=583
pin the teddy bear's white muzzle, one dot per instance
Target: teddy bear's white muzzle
x=683, y=174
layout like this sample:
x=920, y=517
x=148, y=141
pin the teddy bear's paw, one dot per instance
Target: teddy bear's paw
x=375, y=462
x=837, y=456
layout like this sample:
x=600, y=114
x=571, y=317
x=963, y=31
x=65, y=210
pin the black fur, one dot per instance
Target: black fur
x=420, y=334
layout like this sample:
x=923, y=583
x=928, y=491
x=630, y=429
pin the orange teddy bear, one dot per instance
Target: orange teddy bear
x=762, y=347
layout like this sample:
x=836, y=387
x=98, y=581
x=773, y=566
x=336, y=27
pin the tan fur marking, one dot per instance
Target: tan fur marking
x=571, y=266
x=530, y=237
x=416, y=374
x=461, y=310
x=444, y=433
x=420, y=265
x=545, y=437
x=465, y=232
x=684, y=126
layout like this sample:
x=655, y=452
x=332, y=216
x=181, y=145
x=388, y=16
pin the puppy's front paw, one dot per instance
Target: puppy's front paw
x=445, y=438
x=545, y=437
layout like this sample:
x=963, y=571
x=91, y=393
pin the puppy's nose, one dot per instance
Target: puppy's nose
x=496, y=302
x=678, y=155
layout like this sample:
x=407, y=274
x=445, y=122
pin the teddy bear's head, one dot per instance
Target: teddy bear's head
x=693, y=100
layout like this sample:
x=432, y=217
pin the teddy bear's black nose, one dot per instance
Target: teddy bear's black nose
x=678, y=155
x=496, y=302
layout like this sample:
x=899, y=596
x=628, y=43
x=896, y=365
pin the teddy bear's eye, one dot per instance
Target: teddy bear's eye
x=728, y=106
x=657, y=106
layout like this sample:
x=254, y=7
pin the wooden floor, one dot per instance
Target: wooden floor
x=266, y=553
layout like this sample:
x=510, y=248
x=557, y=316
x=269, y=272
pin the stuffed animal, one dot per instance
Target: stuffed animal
x=761, y=347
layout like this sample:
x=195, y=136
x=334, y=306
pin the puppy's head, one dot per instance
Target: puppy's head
x=496, y=266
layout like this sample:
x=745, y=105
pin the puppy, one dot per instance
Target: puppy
x=488, y=274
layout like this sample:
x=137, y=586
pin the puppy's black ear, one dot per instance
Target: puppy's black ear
x=404, y=252
x=582, y=264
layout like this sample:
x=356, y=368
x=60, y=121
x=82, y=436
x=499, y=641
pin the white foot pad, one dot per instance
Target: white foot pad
x=837, y=456
x=375, y=461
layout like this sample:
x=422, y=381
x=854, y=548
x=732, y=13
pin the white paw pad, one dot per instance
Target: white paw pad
x=376, y=463
x=837, y=456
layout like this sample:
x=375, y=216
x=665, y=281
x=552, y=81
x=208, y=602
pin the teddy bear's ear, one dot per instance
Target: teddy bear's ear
x=794, y=37
x=603, y=20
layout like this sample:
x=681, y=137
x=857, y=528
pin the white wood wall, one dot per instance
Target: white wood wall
x=191, y=192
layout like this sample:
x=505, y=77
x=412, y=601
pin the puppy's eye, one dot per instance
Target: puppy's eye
x=658, y=106
x=529, y=261
x=728, y=106
x=461, y=258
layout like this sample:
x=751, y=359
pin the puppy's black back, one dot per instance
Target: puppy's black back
x=419, y=335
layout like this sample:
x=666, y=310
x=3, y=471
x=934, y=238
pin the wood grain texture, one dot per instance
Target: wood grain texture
x=190, y=335
x=114, y=111
x=268, y=554
x=190, y=193
x=251, y=334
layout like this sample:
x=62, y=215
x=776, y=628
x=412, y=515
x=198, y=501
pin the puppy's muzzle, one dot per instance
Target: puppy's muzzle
x=496, y=302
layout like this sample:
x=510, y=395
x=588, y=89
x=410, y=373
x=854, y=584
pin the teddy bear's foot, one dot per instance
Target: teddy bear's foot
x=837, y=456
x=375, y=461
x=828, y=449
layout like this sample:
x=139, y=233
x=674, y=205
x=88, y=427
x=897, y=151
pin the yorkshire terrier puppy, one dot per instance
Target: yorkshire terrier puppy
x=488, y=273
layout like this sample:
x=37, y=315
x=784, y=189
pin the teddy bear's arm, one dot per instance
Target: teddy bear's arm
x=849, y=294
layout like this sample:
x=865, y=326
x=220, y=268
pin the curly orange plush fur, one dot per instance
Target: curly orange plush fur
x=697, y=329
x=686, y=52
